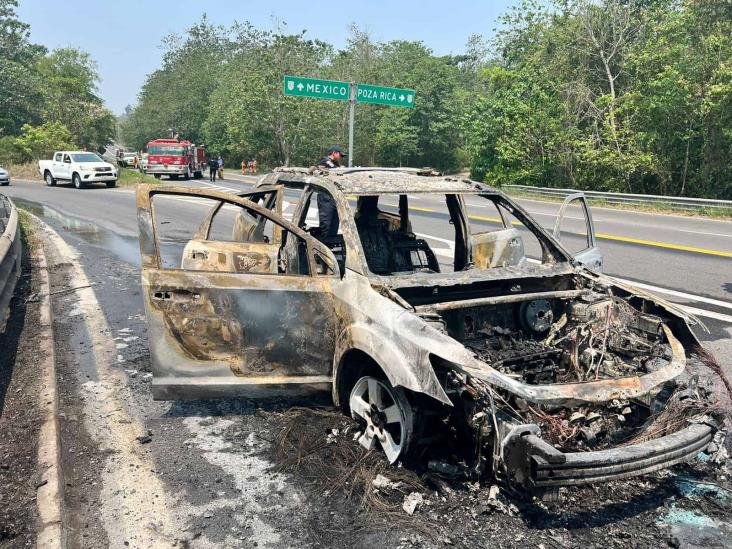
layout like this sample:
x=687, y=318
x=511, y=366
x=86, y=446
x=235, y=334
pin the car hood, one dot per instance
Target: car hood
x=454, y=354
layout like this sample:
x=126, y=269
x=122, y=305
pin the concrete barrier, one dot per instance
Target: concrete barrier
x=10, y=256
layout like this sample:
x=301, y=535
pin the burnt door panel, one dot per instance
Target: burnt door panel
x=254, y=331
x=248, y=329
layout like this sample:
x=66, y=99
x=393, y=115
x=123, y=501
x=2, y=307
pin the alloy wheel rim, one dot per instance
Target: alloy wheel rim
x=374, y=405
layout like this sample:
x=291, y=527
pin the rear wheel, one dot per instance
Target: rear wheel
x=111, y=184
x=385, y=414
x=78, y=183
x=50, y=181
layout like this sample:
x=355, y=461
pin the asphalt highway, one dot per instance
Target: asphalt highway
x=144, y=473
x=687, y=260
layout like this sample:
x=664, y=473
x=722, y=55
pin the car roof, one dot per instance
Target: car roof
x=368, y=181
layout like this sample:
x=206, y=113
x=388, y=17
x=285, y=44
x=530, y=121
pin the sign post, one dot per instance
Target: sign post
x=352, y=92
x=351, y=119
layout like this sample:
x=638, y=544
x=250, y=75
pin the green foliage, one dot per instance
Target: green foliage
x=41, y=141
x=610, y=95
x=242, y=113
x=20, y=88
x=58, y=88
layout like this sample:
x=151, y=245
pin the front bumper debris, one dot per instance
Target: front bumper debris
x=533, y=464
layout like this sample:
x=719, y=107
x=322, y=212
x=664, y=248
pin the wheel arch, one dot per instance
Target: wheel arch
x=360, y=349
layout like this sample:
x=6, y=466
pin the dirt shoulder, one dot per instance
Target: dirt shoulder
x=20, y=418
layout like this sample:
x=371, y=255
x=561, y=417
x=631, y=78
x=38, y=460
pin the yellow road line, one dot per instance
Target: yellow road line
x=600, y=236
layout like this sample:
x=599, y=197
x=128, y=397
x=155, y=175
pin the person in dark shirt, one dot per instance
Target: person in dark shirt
x=213, y=167
x=327, y=211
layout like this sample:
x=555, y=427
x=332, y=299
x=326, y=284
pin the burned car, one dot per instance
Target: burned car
x=491, y=334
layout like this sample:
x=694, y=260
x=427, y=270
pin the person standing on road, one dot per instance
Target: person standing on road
x=220, y=164
x=254, y=166
x=213, y=167
x=327, y=211
x=243, y=167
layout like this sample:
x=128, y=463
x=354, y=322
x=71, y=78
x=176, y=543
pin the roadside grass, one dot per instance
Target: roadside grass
x=28, y=231
x=29, y=170
x=723, y=214
x=132, y=178
x=127, y=177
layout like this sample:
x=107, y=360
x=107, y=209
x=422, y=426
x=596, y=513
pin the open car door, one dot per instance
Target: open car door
x=579, y=231
x=239, y=304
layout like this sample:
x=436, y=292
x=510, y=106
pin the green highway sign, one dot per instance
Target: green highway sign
x=351, y=92
x=314, y=87
x=381, y=95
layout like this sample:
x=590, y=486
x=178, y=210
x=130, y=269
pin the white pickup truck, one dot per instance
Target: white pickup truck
x=79, y=167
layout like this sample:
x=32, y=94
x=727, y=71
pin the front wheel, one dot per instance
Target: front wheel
x=385, y=415
x=50, y=181
x=111, y=184
x=157, y=175
x=78, y=183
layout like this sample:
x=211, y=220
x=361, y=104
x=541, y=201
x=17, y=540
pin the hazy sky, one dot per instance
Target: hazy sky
x=124, y=37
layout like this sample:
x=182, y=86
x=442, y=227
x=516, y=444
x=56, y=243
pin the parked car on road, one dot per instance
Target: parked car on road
x=127, y=159
x=497, y=343
x=80, y=167
x=4, y=177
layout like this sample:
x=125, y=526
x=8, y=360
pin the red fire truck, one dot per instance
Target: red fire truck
x=175, y=159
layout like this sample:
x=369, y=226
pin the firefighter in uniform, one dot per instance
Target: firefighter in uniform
x=327, y=212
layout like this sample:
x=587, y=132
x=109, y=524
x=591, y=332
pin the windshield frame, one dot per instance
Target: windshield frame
x=553, y=254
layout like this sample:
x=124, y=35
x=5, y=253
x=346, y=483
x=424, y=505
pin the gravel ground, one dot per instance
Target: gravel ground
x=19, y=415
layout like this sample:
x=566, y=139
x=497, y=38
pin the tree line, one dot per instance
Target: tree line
x=48, y=99
x=616, y=95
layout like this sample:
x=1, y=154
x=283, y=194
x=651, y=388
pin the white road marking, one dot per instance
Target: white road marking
x=708, y=314
x=676, y=293
x=449, y=242
x=704, y=233
x=220, y=187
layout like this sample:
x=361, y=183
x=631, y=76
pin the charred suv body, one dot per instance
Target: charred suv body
x=548, y=373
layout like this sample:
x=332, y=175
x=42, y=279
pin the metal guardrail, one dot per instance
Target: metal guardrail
x=10, y=256
x=675, y=202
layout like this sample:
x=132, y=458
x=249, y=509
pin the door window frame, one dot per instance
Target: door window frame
x=149, y=242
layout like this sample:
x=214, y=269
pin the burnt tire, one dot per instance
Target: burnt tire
x=385, y=415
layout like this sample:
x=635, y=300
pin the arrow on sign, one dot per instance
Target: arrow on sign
x=401, y=98
x=300, y=86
